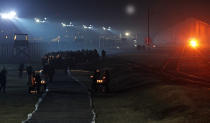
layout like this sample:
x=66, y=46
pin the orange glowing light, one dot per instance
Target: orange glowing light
x=193, y=43
x=99, y=81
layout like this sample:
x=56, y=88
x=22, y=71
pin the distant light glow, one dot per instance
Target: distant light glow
x=118, y=47
x=70, y=24
x=85, y=27
x=88, y=27
x=63, y=24
x=130, y=9
x=15, y=37
x=67, y=25
x=127, y=34
x=43, y=82
x=37, y=20
x=104, y=28
x=109, y=29
x=11, y=15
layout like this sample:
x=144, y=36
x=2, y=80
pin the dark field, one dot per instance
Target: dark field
x=155, y=86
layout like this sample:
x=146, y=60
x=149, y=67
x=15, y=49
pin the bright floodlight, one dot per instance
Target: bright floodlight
x=70, y=24
x=11, y=15
x=193, y=43
x=90, y=27
x=37, y=20
x=85, y=27
x=65, y=25
x=104, y=28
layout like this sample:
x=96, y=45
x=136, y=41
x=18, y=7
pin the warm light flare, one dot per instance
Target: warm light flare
x=99, y=81
x=43, y=82
x=193, y=43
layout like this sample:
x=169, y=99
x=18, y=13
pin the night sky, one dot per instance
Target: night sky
x=111, y=12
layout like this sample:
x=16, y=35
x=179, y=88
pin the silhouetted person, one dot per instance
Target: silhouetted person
x=29, y=70
x=95, y=77
x=38, y=82
x=4, y=71
x=95, y=52
x=103, y=53
x=21, y=68
x=2, y=84
x=3, y=80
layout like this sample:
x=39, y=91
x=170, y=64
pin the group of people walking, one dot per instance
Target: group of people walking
x=71, y=58
x=50, y=62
